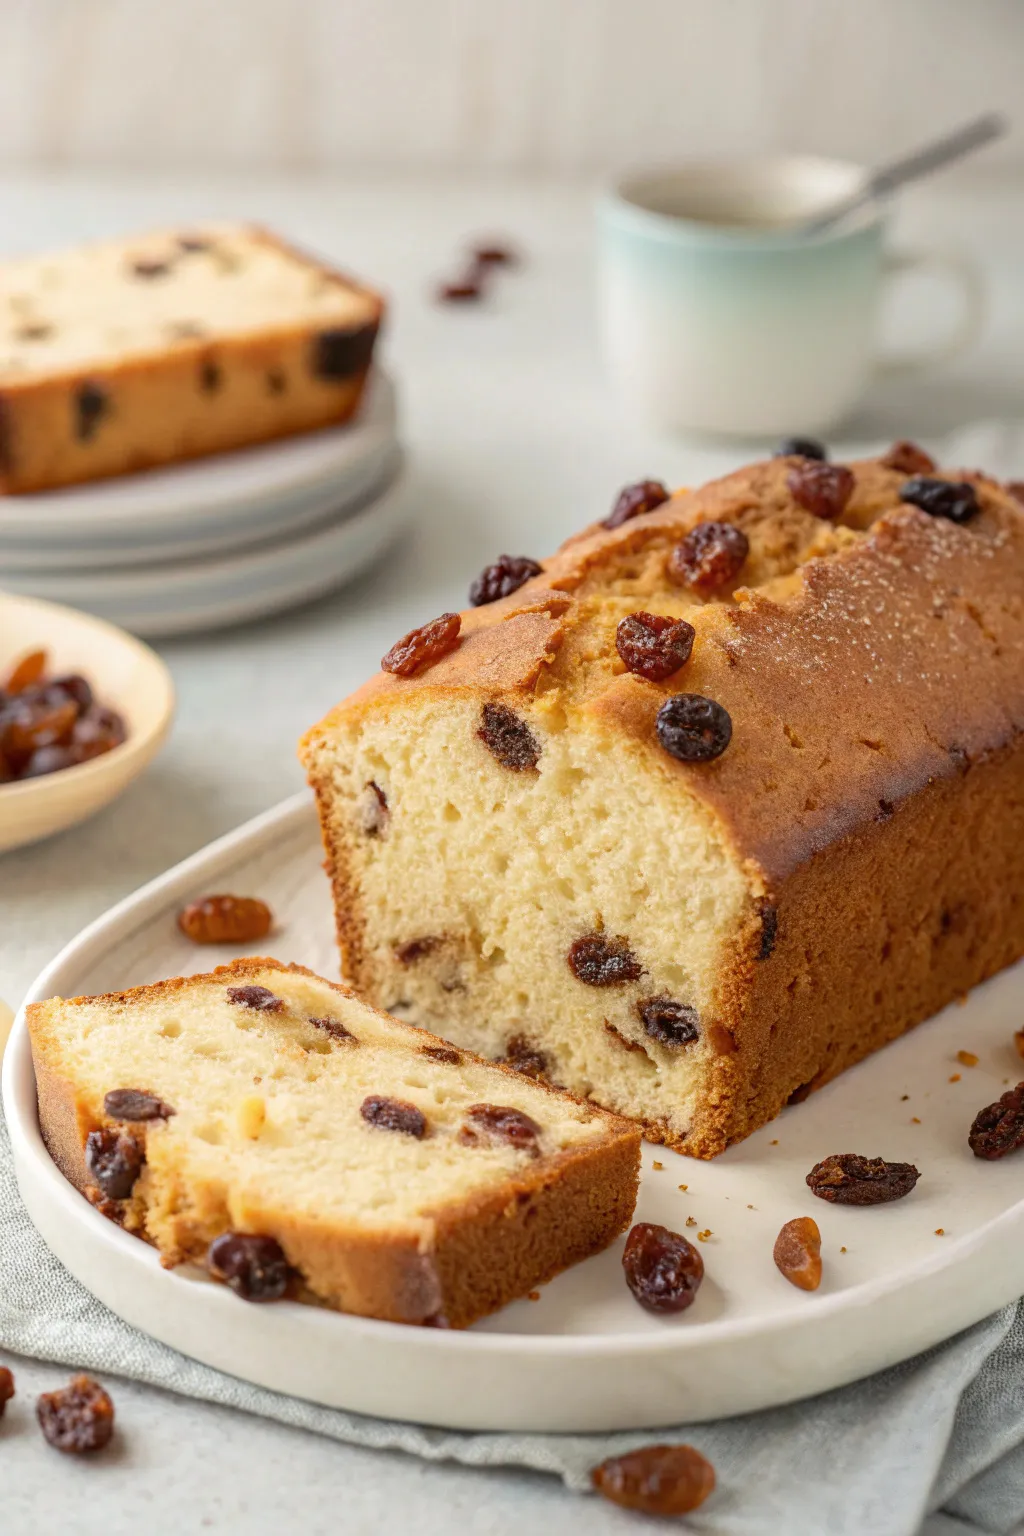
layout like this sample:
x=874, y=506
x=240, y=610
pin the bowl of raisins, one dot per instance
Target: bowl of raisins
x=83, y=709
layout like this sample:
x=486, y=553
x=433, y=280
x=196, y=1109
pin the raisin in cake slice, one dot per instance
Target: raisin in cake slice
x=265, y=1123
x=131, y=353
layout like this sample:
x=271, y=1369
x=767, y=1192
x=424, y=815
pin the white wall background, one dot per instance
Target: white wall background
x=562, y=85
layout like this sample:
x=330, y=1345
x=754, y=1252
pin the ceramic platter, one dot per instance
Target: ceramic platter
x=585, y=1356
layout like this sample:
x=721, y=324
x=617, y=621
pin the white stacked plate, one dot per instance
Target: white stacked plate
x=217, y=540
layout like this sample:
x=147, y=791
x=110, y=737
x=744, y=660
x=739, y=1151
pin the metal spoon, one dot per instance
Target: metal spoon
x=883, y=182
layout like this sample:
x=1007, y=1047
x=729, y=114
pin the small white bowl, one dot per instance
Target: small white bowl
x=124, y=674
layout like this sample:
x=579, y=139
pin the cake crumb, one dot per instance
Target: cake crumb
x=690, y=1221
x=684, y=1187
x=1018, y=1040
x=774, y=1143
x=961, y=998
x=967, y=1058
x=842, y=1250
x=702, y=1237
x=904, y=1097
x=955, y=1077
x=914, y=1120
x=940, y=1231
x=751, y=1207
x=657, y=1167
x=533, y=1295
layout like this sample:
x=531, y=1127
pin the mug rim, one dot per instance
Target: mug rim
x=619, y=202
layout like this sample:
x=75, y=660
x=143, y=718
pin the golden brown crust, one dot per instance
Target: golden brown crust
x=162, y=416
x=483, y=1253
x=875, y=777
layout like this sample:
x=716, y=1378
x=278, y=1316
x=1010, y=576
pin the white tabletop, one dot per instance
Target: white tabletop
x=514, y=441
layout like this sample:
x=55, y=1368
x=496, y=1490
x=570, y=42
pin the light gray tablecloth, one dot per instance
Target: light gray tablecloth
x=941, y=1436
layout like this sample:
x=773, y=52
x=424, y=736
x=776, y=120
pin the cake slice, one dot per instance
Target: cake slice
x=131, y=353
x=266, y=1124
x=695, y=814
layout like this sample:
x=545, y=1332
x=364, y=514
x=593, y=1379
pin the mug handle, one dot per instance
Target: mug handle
x=966, y=277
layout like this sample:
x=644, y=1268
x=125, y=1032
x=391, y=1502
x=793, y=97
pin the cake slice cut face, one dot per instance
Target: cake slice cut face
x=266, y=1124
x=721, y=800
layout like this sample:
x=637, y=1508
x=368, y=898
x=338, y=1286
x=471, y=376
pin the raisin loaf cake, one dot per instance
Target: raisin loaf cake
x=725, y=796
x=267, y=1124
x=123, y=355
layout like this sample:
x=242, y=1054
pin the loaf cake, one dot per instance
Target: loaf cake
x=720, y=799
x=123, y=355
x=268, y=1125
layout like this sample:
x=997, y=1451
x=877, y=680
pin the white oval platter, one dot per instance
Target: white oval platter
x=222, y=497
x=584, y=1357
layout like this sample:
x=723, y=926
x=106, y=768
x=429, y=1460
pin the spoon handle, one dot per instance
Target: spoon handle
x=953, y=146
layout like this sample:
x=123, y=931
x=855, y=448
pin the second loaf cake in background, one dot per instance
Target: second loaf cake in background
x=132, y=353
x=694, y=886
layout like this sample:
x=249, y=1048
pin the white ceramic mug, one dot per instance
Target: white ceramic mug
x=717, y=319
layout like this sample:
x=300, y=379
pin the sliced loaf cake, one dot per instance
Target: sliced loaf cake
x=266, y=1124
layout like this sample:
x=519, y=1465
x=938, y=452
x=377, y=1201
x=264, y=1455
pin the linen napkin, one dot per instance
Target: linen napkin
x=941, y=1433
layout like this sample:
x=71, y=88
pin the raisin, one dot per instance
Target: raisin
x=495, y=256
x=497, y=1123
x=191, y=244
x=150, y=268
x=253, y=1266
x=463, y=289
x=957, y=501
x=662, y=1269
x=508, y=738
x=710, y=557
x=225, y=920
x=525, y=1057
x=75, y=688
x=115, y=1161
x=769, y=929
x=999, y=1127
x=505, y=576
x=26, y=673
x=373, y=810
x=36, y=722
x=49, y=760
x=656, y=1479
x=908, y=458
x=652, y=645
x=445, y=1053
x=801, y=448
x=692, y=728
x=6, y=1388
x=91, y=405
x=277, y=384
x=36, y=332
x=211, y=376
x=333, y=1028
x=669, y=1022
x=821, y=489
x=797, y=1253
x=601, y=960
x=422, y=647
x=846, y=1178
x=135, y=1104
x=99, y=730
x=633, y=500
x=257, y=997
x=343, y=353
x=78, y=1419
x=415, y=949
x=394, y=1115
